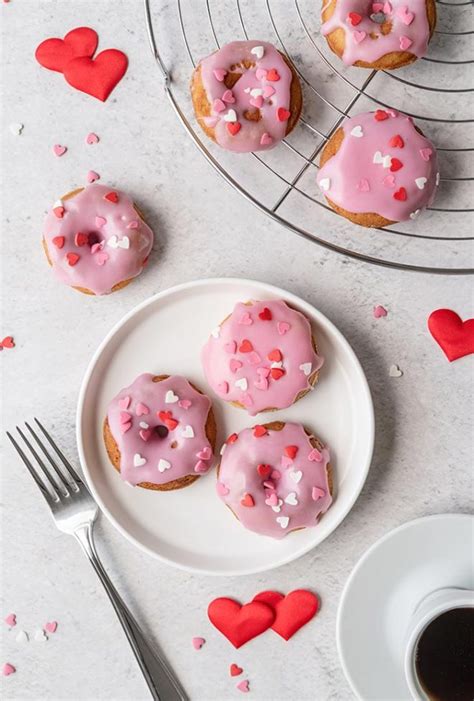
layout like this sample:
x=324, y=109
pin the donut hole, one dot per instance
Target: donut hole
x=94, y=238
x=161, y=431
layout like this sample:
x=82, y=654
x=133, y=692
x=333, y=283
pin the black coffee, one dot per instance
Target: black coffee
x=445, y=657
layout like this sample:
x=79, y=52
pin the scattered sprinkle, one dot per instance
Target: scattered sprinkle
x=198, y=643
x=51, y=626
x=10, y=620
x=92, y=176
x=59, y=150
x=395, y=371
x=379, y=311
x=8, y=669
x=22, y=637
x=243, y=686
x=40, y=636
x=235, y=670
x=92, y=138
x=8, y=342
x=16, y=128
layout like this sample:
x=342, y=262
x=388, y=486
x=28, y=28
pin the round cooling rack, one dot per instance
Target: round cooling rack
x=282, y=182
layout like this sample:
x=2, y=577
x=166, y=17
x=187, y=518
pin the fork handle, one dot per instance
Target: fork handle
x=161, y=681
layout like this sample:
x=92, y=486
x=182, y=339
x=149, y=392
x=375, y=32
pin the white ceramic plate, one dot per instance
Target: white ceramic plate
x=191, y=528
x=383, y=590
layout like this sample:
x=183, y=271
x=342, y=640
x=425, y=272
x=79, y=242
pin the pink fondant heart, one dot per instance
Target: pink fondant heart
x=243, y=686
x=125, y=417
x=246, y=319
x=358, y=36
x=315, y=455
x=228, y=97
x=101, y=258
x=92, y=176
x=275, y=475
x=219, y=74
x=141, y=409
x=261, y=74
x=8, y=669
x=389, y=181
x=317, y=493
x=125, y=427
x=263, y=372
x=405, y=15
x=379, y=311
x=10, y=620
x=387, y=8
x=256, y=101
x=198, y=643
x=124, y=403
x=205, y=453
x=261, y=383
x=95, y=248
x=266, y=139
x=218, y=105
x=425, y=153
x=221, y=489
x=100, y=221
x=184, y=403
x=201, y=467
x=272, y=500
x=145, y=434
x=51, y=626
x=223, y=387
x=268, y=91
x=59, y=150
x=253, y=358
x=230, y=347
x=282, y=327
x=286, y=461
x=405, y=43
x=377, y=6
x=234, y=365
x=92, y=138
x=363, y=185
x=133, y=224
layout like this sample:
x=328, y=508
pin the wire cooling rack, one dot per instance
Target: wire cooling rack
x=282, y=182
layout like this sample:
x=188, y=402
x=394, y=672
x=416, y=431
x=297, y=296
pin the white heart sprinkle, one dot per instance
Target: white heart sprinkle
x=258, y=51
x=438, y=178
x=216, y=332
x=16, y=128
x=291, y=499
x=325, y=184
x=256, y=92
x=395, y=371
x=40, y=636
x=171, y=397
x=357, y=131
x=277, y=507
x=283, y=521
x=163, y=465
x=224, y=446
x=247, y=90
x=414, y=214
x=306, y=368
x=387, y=161
x=115, y=242
x=187, y=432
x=420, y=183
x=231, y=116
x=138, y=460
x=296, y=475
x=143, y=424
x=378, y=158
x=242, y=384
x=278, y=364
x=22, y=637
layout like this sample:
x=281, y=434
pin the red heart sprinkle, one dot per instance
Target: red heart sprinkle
x=58, y=212
x=453, y=335
x=8, y=342
x=59, y=241
x=290, y=451
x=247, y=500
x=171, y=424
x=56, y=53
x=72, y=258
x=164, y=415
x=232, y=438
x=277, y=373
x=239, y=623
x=354, y=18
x=264, y=470
x=275, y=355
x=396, y=141
x=282, y=114
x=395, y=165
x=81, y=239
x=265, y=314
x=380, y=115
x=99, y=76
x=273, y=75
x=111, y=197
x=400, y=195
x=293, y=611
x=233, y=128
x=245, y=346
x=235, y=670
x=259, y=431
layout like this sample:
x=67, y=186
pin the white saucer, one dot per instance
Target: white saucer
x=383, y=590
x=191, y=528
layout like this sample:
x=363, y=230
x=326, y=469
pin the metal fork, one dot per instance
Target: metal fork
x=74, y=511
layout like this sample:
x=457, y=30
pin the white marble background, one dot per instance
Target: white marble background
x=422, y=462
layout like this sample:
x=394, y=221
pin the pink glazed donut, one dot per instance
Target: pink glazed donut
x=378, y=35
x=246, y=96
x=262, y=357
x=160, y=432
x=275, y=478
x=96, y=240
x=378, y=168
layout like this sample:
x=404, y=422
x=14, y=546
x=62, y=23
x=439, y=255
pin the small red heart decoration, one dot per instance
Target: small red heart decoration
x=99, y=76
x=292, y=611
x=58, y=212
x=245, y=346
x=235, y=670
x=282, y=114
x=395, y=165
x=240, y=623
x=8, y=342
x=55, y=53
x=265, y=314
x=380, y=115
x=400, y=195
x=232, y=438
x=233, y=128
x=72, y=258
x=247, y=500
x=59, y=241
x=259, y=431
x=273, y=75
x=453, y=335
x=264, y=470
x=277, y=373
x=354, y=18
x=396, y=142
x=290, y=451
x=111, y=197
x=275, y=355
x=81, y=239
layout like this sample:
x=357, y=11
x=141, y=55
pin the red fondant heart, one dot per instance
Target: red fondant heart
x=259, y=431
x=59, y=241
x=72, y=258
x=247, y=500
x=292, y=611
x=400, y=195
x=99, y=76
x=380, y=115
x=275, y=355
x=8, y=342
x=239, y=623
x=395, y=165
x=235, y=670
x=81, y=239
x=396, y=141
x=112, y=197
x=354, y=18
x=265, y=314
x=56, y=53
x=277, y=373
x=282, y=114
x=273, y=75
x=233, y=128
x=245, y=346
x=455, y=336
x=264, y=470
x=232, y=438
x=290, y=451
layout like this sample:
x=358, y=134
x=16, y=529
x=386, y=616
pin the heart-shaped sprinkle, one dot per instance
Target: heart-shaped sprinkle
x=272, y=500
x=380, y=115
x=261, y=74
x=277, y=373
x=228, y=97
x=291, y=499
x=358, y=36
x=272, y=75
x=243, y=686
x=275, y=355
x=283, y=114
x=59, y=241
x=72, y=258
x=363, y=185
x=396, y=141
x=253, y=358
x=185, y=403
x=145, y=434
x=92, y=176
x=378, y=17
x=420, y=183
x=10, y=620
x=187, y=432
x=218, y=105
x=7, y=342
x=242, y=384
x=291, y=451
x=264, y=470
x=233, y=128
x=125, y=427
x=201, y=467
x=261, y=383
x=256, y=101
x=415, y=214
x=81, y=239
x=258, y=51
x=425, y=153
x=325, y=184
x=277, y=507
x=125, y=417
x=16, y=128
x=400, y=195
x=22, y=637
x=283, y=521
x=223, y=387
x=205, y=453
x=357, y=131
x=296, y=475
x=387, y=8
x=389, y=181
x=259, y=431
x=163, y=465
x=395, y=165
x=8, y=669
x=92, y=138
x=143, y=424
x=247, y=500
x=405, y=43
x=58, y=209
x=268, y=91
x=59, y=150
x=219, y=74
x=405, y=15
x=231, y=116
x=235, y=670
x=232, y=438
x=245, y=346
x=51, y=626
x=306, y=368
x=138, y=460
x=221, y=489
x=111, y=197
x=315, y=455
x=198, y=643
x=283, y=327
x=141, y=409
x=286, y=461
x=266, y=139
x=353, y=18
x=234, y=365
x=317, y=493
x=379, y=311
x=40, y=636
x=246, y=319
x=100, y=221
x=395, y=371
x=171, y=397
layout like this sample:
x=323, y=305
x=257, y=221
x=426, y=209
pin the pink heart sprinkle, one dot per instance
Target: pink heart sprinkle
x=100, y=221
x=145, y=434
x=101, y=258
x=261, y=74
x=211, y=121
x=125, y=417
x=379, y=311
x=282, y=327
x=198, y=643
x=230, y=347
x=243, y=686
x=275, y=475
x=92, y=176
x=358, y=36
x=315, y=455
x=253, y=358
x=205, y=453
x=387, y=8
x=263, y=372
x=219, y=74
x=363, y=185
x=272, y=500
x=201, y=466
x=92, y=138
x=389, y=181
x=404, y=14
x=246, y=399
x=51, y=626
x=125, y=427
x=262, y=383
x=268, y=91
x=234, y=365
x=377, y=7
x=59, y=150
x=286, y=461
x=134, y=224
x=317, y=493
x=221, y=489
x=141, y=409
x=124, y=403
x=8, y=669
x=405, y=43
x=228, y=97
x=97, y=247
x=218, y=105
x=256, y=101
x=10, y=620
x=184, y=403
x=425, y=153
x=246, y=319
x=269, y=485
x=266, y=140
